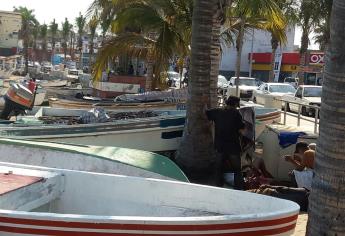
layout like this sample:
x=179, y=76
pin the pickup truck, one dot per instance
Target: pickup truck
x=246, y=87
x=305, y=95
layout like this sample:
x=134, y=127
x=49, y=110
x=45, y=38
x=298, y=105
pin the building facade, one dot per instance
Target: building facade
x=10, y=24
x=255, y=41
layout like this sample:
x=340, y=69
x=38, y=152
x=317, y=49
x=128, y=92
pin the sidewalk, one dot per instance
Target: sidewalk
x=301, y=224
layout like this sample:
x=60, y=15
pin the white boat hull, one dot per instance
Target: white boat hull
x=83, y=203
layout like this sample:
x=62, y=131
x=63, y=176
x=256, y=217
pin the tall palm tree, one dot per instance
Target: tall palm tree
x=34, y=40
x=92, y=24
x=289, y=9
x=322, y=29
x=327, y=199
x=53, y=27
x=80, y=22
x=43, y=36
x=28, y=22
x=71, y=42
x=66, y=28
x=256, y=14
x=196, y=155
x=307, y=19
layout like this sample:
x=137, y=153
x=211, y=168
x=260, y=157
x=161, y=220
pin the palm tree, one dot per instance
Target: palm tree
x=43, y=36
x=53, y=27
x=256, y=14
x=156, y=31
x=327, y=199
x=307, y=19
x=322, y=29
x=93, y=24
x=71, y=42
x=196, y=155
x=80, y=22
x=289, y=9
x=28, y=22
x=66, y=28
x=33, y=41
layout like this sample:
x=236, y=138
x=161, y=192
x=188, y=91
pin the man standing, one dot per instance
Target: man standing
x=228, y=125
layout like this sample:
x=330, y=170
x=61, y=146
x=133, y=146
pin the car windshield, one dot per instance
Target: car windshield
x=247, y=82
x=222, y=80
x=290, y=80
x=279, y=88
x=312, y=91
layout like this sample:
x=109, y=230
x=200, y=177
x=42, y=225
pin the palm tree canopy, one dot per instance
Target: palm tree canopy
x=160, y=27
x=28, y=20
x=43, y=31
x=66, y=28
x=80, y=23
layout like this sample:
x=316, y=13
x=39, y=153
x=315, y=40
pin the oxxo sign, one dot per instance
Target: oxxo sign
x=316, y=58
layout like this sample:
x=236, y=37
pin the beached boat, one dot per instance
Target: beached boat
x=53, y=83
x=109, y=160
x=47, y=201
x=73, y=103
x=39, y=97
x=161, y=132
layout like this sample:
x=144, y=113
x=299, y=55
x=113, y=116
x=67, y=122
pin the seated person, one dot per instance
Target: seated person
x=296, y=159
x=304, y=178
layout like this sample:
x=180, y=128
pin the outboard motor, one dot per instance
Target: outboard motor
x=17, y=99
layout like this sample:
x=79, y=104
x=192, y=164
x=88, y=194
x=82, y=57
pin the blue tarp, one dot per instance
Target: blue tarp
x=287, y=139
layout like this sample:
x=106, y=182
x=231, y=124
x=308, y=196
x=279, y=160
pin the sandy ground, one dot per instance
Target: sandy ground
x=301, y=224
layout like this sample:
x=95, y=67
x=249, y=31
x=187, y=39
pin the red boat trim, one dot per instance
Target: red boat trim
x=73, y=233
x=158, y=227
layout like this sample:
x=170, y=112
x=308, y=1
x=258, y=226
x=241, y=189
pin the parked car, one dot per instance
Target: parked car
x=292, y=80
x=173, y=79
x=272, y=90
x=305, y=95
x=247, y=86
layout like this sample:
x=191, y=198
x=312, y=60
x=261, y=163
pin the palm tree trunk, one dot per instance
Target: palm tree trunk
x=303, y=54
x=239, y=46
x=149, y=72
x=26, y=55
x=91, y=52
x=275, y=44
x=196, y=155
x=327, y=199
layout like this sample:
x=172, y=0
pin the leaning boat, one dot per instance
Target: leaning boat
x=109, y=160
x=48, y=201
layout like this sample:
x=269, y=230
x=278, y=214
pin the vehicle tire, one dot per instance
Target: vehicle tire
x=304, y=111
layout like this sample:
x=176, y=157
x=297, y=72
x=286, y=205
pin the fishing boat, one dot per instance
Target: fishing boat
x=48, y=201
x=110, y=160
x=53, y=83
x=155, y=131
x=159, y=133
x=89, y=103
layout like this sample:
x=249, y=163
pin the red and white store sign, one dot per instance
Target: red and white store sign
x=316, y=59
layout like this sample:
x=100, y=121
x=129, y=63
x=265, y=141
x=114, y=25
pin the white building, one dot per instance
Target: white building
x=261, y=43
x=10, y=24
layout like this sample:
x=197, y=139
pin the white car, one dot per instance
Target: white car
x=247, y=86
x=291, y=80
x=272, y=90
x=305, y=95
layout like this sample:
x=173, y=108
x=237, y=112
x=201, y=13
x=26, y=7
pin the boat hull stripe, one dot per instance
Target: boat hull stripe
x=159, y=227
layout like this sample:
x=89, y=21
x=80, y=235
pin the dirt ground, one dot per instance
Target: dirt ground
x=301, y=224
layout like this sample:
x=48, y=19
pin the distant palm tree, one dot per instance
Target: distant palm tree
x=66, y=28
x=256, y=14
x=93, y=24
x=34, y=40
x=53, y=27
x=289, y=9
x=80, y=22
x=43, y=36
x=322, y=29
x=307, y=19
x=28, y=22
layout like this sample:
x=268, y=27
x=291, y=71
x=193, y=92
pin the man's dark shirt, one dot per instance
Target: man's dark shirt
x=228, y=123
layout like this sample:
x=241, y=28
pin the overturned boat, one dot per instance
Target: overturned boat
x=48, y=201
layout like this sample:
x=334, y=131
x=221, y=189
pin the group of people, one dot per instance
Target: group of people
x=229, y=127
